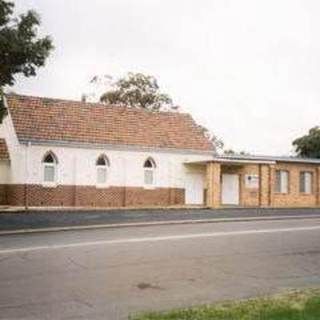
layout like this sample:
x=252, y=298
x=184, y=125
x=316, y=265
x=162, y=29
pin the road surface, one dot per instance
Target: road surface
x=37, y=219
x=109, y=273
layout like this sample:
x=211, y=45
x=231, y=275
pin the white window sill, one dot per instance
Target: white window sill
x=149, y=187
x=102, y=186
x=49, y=185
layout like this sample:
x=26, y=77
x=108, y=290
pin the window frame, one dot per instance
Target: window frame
x=280, y=190
x=102, y=166
x=303, y=174
x=151, y=170
x=54, y=165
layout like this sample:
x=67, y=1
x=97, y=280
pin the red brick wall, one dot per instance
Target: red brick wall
x=3, y=194
x=99, y=197
x=37, y=195
x=15, y=194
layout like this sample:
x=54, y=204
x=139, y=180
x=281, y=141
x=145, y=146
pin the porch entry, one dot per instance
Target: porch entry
x=194, y=188
x=230, y=189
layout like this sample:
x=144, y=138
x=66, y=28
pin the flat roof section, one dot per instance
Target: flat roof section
x=252, y=159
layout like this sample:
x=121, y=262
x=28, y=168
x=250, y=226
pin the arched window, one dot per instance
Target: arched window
x=149, y=172
x=102, y=164
x=50, y=163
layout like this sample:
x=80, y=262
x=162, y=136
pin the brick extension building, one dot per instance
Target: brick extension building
x=67, y=153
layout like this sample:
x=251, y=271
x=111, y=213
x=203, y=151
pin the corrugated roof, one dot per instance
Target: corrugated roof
x=247, y=159
x=269, y=158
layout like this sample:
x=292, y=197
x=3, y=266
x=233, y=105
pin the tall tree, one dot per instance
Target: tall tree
x=137, y=90
x=308, y=146
x=215, y=141
x=21, y=50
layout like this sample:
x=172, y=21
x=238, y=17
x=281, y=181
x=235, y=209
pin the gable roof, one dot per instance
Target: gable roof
x=4, y=153
x=45, y=120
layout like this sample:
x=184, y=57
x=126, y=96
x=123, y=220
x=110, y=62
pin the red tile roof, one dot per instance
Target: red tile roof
x=47, y=119
x=4, y=153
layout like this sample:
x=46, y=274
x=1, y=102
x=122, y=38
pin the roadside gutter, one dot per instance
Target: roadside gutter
x=154, y=223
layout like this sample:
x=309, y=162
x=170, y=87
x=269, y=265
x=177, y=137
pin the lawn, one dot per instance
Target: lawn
x=294, y=305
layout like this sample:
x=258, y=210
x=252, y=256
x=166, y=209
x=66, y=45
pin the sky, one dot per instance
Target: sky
x=248, y=70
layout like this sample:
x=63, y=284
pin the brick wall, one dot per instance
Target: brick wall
x=3, y=194
x=38, y=195
x=213, y=185
x=294, y=198
x=15, y=194
x=265, y=195
x=264, y=185
x=249, y=197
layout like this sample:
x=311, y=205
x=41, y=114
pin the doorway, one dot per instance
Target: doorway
x=230, y=189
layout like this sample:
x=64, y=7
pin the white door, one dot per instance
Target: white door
x=194, y=188
x=230, y=189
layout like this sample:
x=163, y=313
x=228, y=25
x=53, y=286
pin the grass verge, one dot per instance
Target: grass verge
x=293, y=305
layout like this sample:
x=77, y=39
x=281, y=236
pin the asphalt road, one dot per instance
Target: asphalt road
x=64, y=218
x=107, y=274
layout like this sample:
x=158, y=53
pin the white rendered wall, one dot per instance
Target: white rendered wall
x=4, y=172
x=16, y=166
x=76, y=166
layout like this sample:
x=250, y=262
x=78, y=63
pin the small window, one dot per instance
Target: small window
x=148, y=177
x=49, y=168
x=49, y=173
x=306, y=179
x=149, y=171
x=148, y=164
x=49, y=158
x=101, y=175
x=102, y=164
x=282, y=181
x=101, y=161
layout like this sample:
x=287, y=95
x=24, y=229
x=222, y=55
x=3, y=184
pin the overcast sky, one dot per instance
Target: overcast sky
x=249, y=70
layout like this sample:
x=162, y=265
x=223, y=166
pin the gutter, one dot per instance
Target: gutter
x=154, y=223
x=116, y=147
x=232, y=161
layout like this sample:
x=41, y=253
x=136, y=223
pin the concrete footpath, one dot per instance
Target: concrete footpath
x=55, y=220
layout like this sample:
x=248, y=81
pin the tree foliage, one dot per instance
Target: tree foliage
x=308, y=146
x=215, y=141
x=137, y=90
x=140, y=91
x=231, y=152
x=21, y=50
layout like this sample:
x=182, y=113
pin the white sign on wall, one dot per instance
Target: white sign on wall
x=252, y=181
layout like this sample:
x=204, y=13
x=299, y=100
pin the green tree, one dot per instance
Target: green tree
x=231, y=152
x=215, y=141
x=308, y=146
x=140, y=91
x=21, y=50
x=137, y=90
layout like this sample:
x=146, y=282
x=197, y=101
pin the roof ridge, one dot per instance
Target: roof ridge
x=98, y=104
